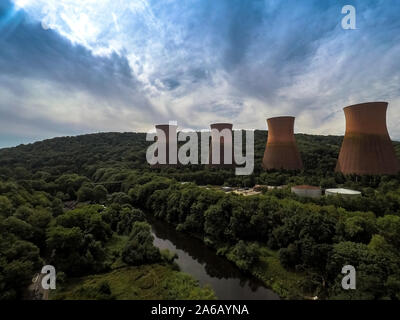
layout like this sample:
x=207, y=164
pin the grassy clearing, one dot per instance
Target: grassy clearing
x=286, y=284
x=114, y=248
x=146, y=282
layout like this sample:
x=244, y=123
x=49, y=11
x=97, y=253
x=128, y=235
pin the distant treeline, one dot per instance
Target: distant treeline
x=84, y=154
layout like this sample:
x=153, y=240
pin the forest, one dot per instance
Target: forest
x=82, y=204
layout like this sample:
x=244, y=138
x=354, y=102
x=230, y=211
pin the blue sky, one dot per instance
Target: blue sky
x=71, y=67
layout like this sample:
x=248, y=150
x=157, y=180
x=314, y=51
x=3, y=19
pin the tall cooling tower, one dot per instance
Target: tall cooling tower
x=166, y=128
x=214, y=137
x=281, y=151
x=367, y=148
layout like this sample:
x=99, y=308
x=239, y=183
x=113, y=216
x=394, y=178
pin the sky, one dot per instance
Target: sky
x=70, y=67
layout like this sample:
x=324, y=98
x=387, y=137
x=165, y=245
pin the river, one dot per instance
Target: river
x=202, y=263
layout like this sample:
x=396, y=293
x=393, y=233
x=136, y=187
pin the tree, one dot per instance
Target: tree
x=371, y=276
x=290, y=256
x=239, y=226
x=139, y=248
x=389, y=228
x=85, y=193
x=74, y=252
x=70, y=184
x=23, y=212
x=359, y=227
x=40, y=219
x=6, y=207
x=127, y=218
x=99, y=193
x=57, y=207
x=111, y=215
x=19, y=228
x=88, y=219
x=19, y=261
x=120, y=198
x=217, y=219
x=244, y=255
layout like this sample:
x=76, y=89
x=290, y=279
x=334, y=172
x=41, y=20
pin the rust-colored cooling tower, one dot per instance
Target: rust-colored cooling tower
x=281, y=151
x=214, y=137
x=166, y=129
x=367, y=148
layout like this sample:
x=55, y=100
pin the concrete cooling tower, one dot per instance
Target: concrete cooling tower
x=367, y=148
x=214, y=137
x=281, y=151
x=166, y=128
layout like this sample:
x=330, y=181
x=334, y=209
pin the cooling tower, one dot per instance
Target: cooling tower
x=281, y=151
x=367, y=148
x=224, y=162
x=166, y=128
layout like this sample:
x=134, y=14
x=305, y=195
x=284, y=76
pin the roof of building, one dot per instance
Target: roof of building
x=343, y=191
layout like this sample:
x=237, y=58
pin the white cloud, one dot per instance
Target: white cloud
x=204, y=62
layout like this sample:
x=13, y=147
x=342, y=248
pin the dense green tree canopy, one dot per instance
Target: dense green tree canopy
x=64, y=200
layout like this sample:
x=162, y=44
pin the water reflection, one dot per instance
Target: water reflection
x=204, y=265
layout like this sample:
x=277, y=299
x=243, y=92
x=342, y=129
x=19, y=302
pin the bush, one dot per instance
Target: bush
x=127, y=218
x=139, y=248
x=289, y=257
x=244, y=255
x=168, y=256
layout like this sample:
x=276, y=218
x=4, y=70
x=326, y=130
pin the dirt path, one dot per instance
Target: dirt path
x=35, y=290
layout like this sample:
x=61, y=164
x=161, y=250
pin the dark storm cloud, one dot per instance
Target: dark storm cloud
x=200, y=61
x=31, y=55
x=29, y=51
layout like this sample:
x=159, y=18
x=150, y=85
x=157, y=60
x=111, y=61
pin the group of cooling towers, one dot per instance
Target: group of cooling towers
x=366, y=149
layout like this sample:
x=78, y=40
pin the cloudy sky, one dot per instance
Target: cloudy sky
x=70, y=67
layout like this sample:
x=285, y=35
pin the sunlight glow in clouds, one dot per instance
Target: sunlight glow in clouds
x=106, y=26
x=132, y=63
x=22, y=3
x=91, y=22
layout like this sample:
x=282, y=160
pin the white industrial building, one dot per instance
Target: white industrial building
x=342, y=192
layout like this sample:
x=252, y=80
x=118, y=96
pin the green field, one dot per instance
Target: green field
x=151, y=282
x=285, y=283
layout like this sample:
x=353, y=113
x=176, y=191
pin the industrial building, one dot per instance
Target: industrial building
x=342, y=192
x=367, y=148
x=306, y=191
x=281, y=151
x=215, y=135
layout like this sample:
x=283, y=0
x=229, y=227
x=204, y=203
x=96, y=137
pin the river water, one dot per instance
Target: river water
x=202, y=263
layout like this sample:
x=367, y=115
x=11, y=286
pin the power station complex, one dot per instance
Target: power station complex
x=366, y=149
